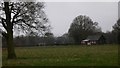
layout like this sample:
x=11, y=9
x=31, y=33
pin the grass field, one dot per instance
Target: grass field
x=96, y=55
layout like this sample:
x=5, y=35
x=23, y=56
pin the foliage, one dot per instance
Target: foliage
x=116, y=29
x=49, y=34
x=81, y=27
x=111, y=37
x=28, y=41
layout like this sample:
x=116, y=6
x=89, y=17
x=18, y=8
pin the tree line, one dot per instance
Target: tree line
x=29, y=41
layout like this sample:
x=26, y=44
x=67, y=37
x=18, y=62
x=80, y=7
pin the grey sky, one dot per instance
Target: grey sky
x=61, y=14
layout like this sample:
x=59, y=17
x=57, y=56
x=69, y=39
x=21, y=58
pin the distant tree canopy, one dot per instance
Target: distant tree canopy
x=81, y=27
x=28, y=41
x=64, y=39
x=48, y=34
x=111, y=37
x=22, y=17
x=116, y=29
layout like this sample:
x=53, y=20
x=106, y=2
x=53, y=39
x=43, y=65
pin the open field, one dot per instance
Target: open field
x=96, y=55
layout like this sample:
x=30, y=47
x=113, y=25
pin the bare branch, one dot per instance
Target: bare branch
x=29, y=25
x=16, y=22
x=17, y=12
x=4, y=34
x=3, y=22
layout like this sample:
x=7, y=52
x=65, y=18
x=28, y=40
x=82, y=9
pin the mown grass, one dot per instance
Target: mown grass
x=76, y=55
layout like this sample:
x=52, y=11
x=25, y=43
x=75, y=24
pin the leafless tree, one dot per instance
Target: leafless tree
x=22, y=17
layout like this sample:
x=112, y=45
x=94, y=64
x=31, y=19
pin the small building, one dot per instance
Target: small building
x=94, y=39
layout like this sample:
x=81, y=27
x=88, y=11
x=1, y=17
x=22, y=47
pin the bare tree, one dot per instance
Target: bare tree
x=22, y=17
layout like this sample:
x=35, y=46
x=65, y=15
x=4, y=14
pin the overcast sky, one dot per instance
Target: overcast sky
x=61, y=14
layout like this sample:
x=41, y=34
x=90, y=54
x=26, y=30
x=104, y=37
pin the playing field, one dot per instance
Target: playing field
x=75, y=55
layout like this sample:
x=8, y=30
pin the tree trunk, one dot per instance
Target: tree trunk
x=10, y=46
x=118, y=37
x=9, y=38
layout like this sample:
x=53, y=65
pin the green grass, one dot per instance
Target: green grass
x=96, y=55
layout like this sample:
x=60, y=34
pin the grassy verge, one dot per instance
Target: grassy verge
x=97, y=55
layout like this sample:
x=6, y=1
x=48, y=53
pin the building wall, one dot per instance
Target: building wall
x=102, y=40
